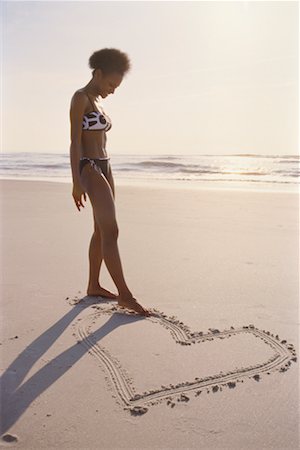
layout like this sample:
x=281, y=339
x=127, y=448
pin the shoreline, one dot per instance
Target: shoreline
x=233, y=186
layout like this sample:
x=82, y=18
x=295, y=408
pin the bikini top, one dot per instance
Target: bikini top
x=96, y=120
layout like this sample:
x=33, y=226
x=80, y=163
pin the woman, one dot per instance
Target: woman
x=92, y=173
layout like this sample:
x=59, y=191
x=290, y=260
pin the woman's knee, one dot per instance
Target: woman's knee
x=105, y=224
x=110, y=231
x=97, y=231
x=97, y=234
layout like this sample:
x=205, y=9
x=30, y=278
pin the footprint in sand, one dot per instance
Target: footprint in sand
x=9, y=439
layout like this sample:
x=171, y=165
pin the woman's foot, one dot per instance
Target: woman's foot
x=131, y=303
x=98, y=291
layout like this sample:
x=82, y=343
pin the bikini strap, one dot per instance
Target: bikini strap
x=91, y=101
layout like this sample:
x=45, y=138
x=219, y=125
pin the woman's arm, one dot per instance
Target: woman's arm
x=78, y=105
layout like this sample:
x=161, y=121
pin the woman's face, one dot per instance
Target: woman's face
x=107, y=83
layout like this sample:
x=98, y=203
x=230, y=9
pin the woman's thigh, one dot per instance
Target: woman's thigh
x=101, y=197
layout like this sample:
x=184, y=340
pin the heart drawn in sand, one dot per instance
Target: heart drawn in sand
x=112, y=335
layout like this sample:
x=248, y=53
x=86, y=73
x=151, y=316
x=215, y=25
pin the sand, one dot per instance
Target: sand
x=215, y=366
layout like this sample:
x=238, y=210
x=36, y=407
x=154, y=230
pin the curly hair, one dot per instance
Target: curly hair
x=109, y=60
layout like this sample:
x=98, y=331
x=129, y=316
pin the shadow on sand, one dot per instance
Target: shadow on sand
x=17, y=397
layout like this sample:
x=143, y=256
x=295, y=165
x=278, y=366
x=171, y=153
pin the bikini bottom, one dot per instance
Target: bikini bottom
x=101, y=165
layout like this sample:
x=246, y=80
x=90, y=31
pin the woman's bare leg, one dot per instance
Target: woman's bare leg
x=101, y=196
x=96, y=257
x=95, y=261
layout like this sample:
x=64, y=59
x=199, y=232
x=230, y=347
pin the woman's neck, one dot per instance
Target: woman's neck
x=90, y=88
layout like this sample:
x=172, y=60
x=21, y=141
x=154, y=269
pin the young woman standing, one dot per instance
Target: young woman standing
x=92, y=175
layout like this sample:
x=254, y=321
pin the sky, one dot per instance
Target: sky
x=207, y=77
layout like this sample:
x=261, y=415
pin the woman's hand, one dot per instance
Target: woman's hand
x=77, y=194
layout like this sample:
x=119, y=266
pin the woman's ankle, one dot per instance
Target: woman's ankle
x=93, y=283
x=125, y=293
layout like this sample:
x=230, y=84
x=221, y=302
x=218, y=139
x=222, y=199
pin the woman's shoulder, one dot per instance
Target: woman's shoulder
x=79, y=97
x=80, y=93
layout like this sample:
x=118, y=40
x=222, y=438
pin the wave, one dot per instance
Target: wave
x=159, y=164
x=250, y=168
x=253, y=155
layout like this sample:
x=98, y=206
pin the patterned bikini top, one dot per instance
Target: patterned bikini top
x=96, y=120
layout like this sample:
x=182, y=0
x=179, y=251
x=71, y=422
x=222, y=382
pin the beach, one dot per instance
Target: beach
x=216, y=365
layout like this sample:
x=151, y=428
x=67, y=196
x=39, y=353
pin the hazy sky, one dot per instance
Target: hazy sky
x=207, y=77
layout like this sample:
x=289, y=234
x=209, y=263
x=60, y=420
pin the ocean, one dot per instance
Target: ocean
x=260, y=172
